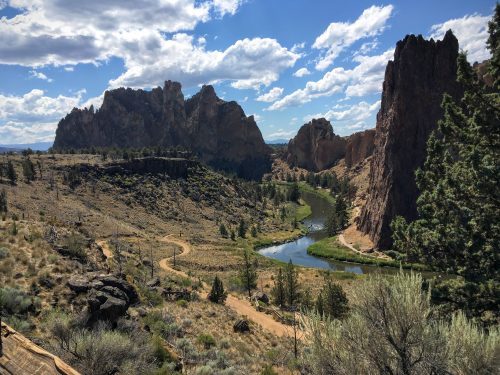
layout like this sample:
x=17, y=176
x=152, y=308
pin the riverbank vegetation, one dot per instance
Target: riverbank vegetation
x=331, y=248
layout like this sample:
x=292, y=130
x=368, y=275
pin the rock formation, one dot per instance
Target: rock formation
x=315, y=147
x=359, y=146
x=218, y=132
x=413, y=89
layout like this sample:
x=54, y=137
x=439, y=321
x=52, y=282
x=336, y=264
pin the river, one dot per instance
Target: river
x=297, y=250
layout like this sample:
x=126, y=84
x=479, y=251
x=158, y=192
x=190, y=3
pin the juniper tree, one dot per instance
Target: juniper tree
x=3, y=201
x=335, y=303
x=248, y=273
x=11, y=172
x=458, y=225
x=223, y=230
x=217, y=293
x=28, y=170
x=242, y=229
x=278, y=292
x=292, y=286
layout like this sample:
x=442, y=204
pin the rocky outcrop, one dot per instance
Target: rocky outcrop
x=108, y=297
x=422, y=70
x=218, y=132
x=359, y=146
x=315, y=147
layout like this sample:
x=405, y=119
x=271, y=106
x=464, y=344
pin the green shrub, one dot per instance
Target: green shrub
x=4, y=253
x=182, y=303
x=206, y=340
x=16, y=301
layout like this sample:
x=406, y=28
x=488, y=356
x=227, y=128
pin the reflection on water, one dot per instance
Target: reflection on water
x=297, y=250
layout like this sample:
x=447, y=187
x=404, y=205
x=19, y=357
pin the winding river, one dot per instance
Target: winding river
x=297, y=250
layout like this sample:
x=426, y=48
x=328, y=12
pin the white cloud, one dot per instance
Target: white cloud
x=302, y=72
x=33, y=116
x=40, y=75
x=340, y=35
x=471, y=32
x=152, y=43
x=297, y=47
x=227, y=6
x=355, y=113
x=281, y=133
x=270, y=96
x=365, y=78
x=69, y=68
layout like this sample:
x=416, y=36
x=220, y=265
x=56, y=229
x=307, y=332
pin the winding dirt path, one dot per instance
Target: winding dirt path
x=347, y=244
x=242, y=307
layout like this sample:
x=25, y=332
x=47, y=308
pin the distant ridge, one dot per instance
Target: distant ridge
x=218, y=132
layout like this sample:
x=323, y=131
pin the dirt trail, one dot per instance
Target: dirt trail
x=347, y=244
x=242, y=307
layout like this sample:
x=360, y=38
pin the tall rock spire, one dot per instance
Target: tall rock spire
x=415, y=81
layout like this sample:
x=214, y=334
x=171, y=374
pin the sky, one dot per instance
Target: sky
x=283, y=61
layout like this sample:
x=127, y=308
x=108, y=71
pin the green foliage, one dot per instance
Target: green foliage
x=242, y=229
x=268, y=370
x=294, y=193
x=279, y=292
x=223, y=230
x=217, y=293
x=16, y=301
x=493, y=44
x=337, y=219
x=254, y=231
x=14, y=230
x=28, y=170
x=248, y=272
x=392, y=329
x=75, y=245
x=332, y=300
x=11, y=172
x=233, y=235
x=292, y=286
x=332, y=249
x=458, y=224
x=4, y=253
x=206, y=340
x=3, y=201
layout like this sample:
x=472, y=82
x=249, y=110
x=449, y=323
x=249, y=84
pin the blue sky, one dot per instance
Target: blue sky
x=284, y=61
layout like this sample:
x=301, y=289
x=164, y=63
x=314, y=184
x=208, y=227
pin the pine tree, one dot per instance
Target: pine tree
x=242, y=229
x=335, y=303
x=3, y=201
x=248, y=273
x=28, y=169
x=278, y=292
x=292, y=285
x=217, y=293
x=318, y=306
x=254, y=231
x=337, y=218
x=458, y=224
x=294, y=193
x=223, y=230
x=11, y=173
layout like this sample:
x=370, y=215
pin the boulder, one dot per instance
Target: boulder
x=155, y=281
x=241, y=326
x=261, y=297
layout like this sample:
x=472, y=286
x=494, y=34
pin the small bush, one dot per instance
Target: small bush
x=182, y=303
x=4, y=253
x=206, y=340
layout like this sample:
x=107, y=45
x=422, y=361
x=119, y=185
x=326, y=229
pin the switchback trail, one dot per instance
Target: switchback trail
x=242, y=307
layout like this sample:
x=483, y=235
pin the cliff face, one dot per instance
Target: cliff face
x=412, y=93
x=218, y=132
x=359, y=146
x=315, y=147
